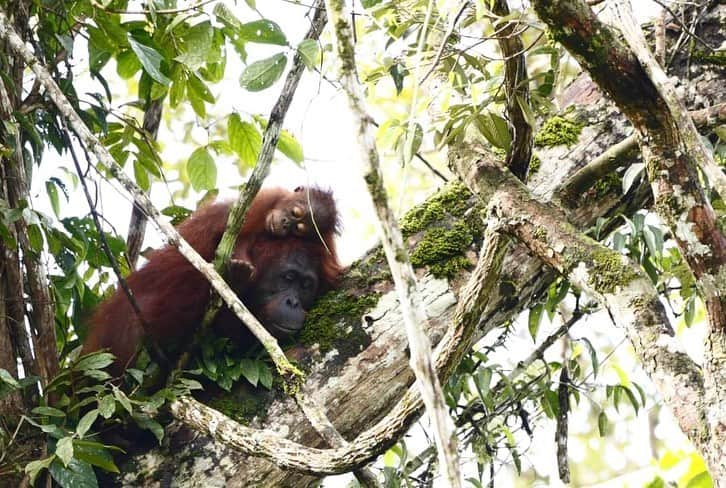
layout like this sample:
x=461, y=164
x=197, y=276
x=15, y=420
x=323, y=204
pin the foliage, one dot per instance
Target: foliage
x=87, y=401
x=182, y=56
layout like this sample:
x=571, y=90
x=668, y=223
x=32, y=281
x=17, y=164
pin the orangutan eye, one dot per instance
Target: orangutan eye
x=297, y=212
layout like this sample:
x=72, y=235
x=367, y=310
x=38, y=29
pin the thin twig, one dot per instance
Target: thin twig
x=170, y=11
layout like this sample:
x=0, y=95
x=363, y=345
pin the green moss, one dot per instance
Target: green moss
x=610, y=271
x=534, y=164
x=240, y=405
x=715, y=57
x=606, y=183
x=540, y=234
x=449, y=268
x=606, y=268
x=443, y=249
x=322, y=322
x=558, y=131
x=375, y=187
x=368, y=271
x=453, y=199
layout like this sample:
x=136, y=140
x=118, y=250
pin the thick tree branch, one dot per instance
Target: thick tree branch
x=672, y=150
x=619, y=285
x=668, y=142
x=615, y=156
x=42, y=312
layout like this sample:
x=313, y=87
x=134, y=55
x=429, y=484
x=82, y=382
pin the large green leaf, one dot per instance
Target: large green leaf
x=78, y=474
x=64, y=450
x=94, y=453
x=290, y=147
x=309, y=51
x=245, y=140
x=226, y=17
x=202, y=170
x=262, y=74
x=127, y=64
x=197, y=46
x=150, y=59
x=262, y=31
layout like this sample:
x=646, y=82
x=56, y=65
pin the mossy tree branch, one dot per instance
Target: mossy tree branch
x=672, y=151
x=617, y=284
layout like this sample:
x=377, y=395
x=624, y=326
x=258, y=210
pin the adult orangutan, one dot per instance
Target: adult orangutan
x=283, y=259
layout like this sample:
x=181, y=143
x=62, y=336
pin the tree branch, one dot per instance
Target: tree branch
x=414, y=314
x=617, y=284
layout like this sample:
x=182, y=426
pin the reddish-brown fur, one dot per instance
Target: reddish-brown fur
x=172, y=295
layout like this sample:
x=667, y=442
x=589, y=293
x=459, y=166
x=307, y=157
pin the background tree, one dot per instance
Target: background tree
x=528, y=290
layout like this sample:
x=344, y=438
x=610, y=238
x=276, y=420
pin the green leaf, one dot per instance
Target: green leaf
x=197, y=103
x=95, y=360
x=122, y=399
x=137, y=374
x=127, y=64
x=8, y=379
x=52, y=191
x=152, y=425
x=226, y=17
x=245, y=140
x=398, y=73
x=141, y=176
x=262, y=31
x=197, y=86
x=262, y=74
x=482, y=381
x=650, y=241
x=94, y=453
x=202, y=170
x=631, y=397
x=309, y=51
x=150, y=60
x=290, y=147
x=535, y=318
x=494, y=129
x=107, y=406
x=33, y=468
x=641, y=393
x=602, y=423
x=49, y=411
x=689, y=312
x=35, y=236
x=178, y=87
x=412, y=142
x=529, y=116
x=191, y=384
x=78, y=474
x=64, y=450
x=250, y=370
x=701, y=480
x=265, y=375
x=197, y=46
x=632, y=174
x=86, y=422
x=593, y=356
